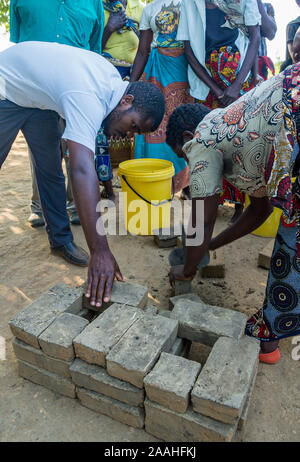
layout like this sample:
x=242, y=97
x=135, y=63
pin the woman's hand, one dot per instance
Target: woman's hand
x=231, y=94
x=177, y=274
x=116, y=21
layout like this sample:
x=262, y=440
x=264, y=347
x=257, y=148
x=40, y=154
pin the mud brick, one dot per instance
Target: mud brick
x=138, y=350
x=205, y=323
x=172, y=426
x=57, y=339
x=165, y=238
x=170, y=382
x=192, y=297
x=216, y=266
x=264, y=257
x=94, y=343
x=124, y=293
x=47, y=379
x=29, y=324
x=245, y=410
x=221, y=389
x=37, y=358
x=95, y=378
x=129, y=415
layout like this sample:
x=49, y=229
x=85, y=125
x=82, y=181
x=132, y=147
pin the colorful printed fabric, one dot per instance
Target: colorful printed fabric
x=223, y=65
x=280, y=315
x=265, y=65
x=167, y=69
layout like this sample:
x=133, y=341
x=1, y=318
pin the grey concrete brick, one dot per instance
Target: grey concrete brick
x=264, y=257
x=122, y=292
x=36, y=317
x=151, y=309
x=182, y=287
x=188, y=427
x=165, y=313
x=138, y=350
x=37, y=358
x=163, y=240
x=216, y=266
x=47, y=379
x=170, y=382
x=180, y=347
x=57, y=339
x=94, y=343
x=129, y=415
x=192, y=297
x=206, y=323
x=221, y=389
x=244, y=414
x=95, y=378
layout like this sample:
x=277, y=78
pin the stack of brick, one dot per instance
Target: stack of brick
x=130, y=362
x=183, y=405
x=44, y=332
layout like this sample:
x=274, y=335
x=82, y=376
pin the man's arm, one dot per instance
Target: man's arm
x=103, y=267
x=254, y=216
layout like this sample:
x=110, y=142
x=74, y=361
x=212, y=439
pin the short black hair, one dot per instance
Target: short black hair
x=185, y=117
x=148, y=101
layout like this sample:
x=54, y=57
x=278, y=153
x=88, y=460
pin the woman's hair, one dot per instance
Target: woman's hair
x=185, y=117
x=148, y=101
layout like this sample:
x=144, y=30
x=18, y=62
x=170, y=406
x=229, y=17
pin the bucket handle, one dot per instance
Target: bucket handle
x=148, y=202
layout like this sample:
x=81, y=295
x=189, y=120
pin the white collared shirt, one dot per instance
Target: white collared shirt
x=192, y=27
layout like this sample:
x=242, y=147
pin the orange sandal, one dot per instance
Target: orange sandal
x=270, y=358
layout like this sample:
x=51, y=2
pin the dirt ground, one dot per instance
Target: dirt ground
x=29, y=412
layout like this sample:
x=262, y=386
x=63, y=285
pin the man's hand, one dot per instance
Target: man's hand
x=177, y=274
x=102, y=271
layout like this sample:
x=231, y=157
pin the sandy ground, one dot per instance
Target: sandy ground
x=29, y=412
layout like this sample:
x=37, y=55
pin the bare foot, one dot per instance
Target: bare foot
x=268, y=347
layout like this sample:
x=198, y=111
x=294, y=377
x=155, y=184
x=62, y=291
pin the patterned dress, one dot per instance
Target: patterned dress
x=254, y=144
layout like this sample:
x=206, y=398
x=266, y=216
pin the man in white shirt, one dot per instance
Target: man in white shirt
x=87, y=91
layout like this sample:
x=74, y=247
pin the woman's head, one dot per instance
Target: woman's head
x=182, y=125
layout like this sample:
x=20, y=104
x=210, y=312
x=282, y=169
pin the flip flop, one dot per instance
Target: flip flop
x=270, y=358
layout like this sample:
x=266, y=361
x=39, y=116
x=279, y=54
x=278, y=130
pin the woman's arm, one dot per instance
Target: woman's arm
x=254, y=216
x=115, y=22
x=200, y=70
x=232, y=93
x=142, y=55
x=268, y=27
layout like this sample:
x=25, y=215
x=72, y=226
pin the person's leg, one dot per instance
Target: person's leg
x=12, y=118
x=42, y=133
x=36, y=218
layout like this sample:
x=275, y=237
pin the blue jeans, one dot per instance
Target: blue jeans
x=42, y=132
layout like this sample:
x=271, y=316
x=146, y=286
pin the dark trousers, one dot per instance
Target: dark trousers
x=42, y=132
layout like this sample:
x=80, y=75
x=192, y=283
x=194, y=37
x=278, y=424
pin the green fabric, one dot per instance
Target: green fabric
x=78, y=23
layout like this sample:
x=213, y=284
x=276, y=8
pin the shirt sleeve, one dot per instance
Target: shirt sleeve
x=96, y=37
x=206, y=169
x=183, y=27
x=14, y=22
x=145, y=19
x=84, y=115
x=251, y=12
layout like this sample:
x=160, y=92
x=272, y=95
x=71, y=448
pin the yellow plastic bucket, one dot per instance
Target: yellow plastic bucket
x=270, y=226
x=148, y=187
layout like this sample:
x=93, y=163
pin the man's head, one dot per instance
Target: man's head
x=140, y=110
x=182, y=125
